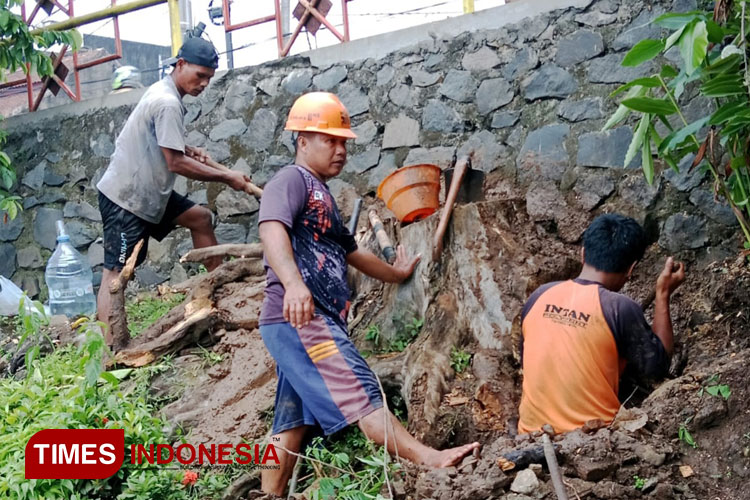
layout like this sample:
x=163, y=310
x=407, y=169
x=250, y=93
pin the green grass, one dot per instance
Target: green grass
x=144, y=311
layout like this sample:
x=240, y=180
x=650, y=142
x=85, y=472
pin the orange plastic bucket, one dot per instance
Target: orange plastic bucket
x=412, y=192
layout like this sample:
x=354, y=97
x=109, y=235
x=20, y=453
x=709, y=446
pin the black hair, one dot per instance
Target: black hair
x=613, y=242
x=295, y=136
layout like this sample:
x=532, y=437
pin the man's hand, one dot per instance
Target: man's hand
x=402, y=266
x=236, y=180
x=198, y=154
x=670, y=278
x=299, y=308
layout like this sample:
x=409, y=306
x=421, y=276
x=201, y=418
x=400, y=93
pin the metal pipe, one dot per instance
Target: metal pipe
x=174, y=24
x=554, y=469
x=76, y=75
x=279, y=31
x=111, y=57
x=92, y=17
x=252, y=22
x=345, y=13
x=230, y=49
x=355, y=216
x=285, y=19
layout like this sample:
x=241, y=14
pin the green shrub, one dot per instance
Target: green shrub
x=68, y=389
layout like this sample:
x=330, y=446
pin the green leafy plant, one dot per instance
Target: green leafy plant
x=460, y=359
x=19, y=48
x=373, y=334
x=347, y=467
x=639, y=482
x=210, y=358
x=406, y=334
x=714, y=59
x=31, y=322
x=715, y=389
x=144, y=311
x=69, y=389
x=684, y=434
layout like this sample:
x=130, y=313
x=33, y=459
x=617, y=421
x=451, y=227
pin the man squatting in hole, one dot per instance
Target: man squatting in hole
x=579, y=335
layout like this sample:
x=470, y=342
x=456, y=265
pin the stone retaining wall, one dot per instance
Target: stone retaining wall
x=529, y=99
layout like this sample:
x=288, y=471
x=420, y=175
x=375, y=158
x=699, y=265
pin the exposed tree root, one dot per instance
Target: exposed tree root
x=186, y=323
x=249, y=250
x=118, y=321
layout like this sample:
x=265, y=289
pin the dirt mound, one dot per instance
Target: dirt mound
x=471, y=300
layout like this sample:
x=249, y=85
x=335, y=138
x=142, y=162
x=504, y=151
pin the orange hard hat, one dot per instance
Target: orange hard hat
x=320, y=112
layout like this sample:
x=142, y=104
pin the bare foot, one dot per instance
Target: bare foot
x=451, y=456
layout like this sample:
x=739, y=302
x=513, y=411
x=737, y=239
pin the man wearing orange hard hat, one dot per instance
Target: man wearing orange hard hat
x=323, y=380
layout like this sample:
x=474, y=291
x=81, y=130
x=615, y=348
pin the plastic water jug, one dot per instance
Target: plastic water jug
x=69, y=279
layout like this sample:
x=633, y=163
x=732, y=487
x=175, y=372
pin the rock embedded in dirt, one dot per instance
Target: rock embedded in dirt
x=717, y=210
x=493, y=94
x=648, y=454
x=594, y=468
x=435, y=482
x=609, y=490
x=593, y=188
x=544, y=201
x=505, y=119
x=585, y=109
x=34, y=178
x=525, y=482
x=635, y=190
x=712, y=410
x=683, y=232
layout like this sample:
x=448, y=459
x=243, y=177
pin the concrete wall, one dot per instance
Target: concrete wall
x=528, y=96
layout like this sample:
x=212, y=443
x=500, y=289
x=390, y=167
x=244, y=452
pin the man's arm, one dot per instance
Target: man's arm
x=201, y=155
x=182, y=164
x=368, y=263
x=299, y=307
x=668, y=281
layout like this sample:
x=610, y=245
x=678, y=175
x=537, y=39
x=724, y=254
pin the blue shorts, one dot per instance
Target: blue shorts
x=323, y=380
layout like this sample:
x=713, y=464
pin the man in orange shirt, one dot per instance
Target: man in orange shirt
x=579, y=334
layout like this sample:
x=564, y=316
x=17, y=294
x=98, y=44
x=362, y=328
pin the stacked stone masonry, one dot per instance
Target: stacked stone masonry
x=529, y=99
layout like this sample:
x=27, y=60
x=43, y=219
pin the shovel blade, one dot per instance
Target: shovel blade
x=472, y=187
